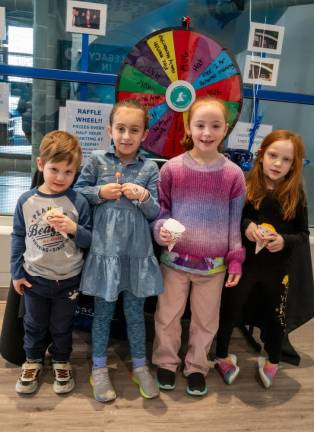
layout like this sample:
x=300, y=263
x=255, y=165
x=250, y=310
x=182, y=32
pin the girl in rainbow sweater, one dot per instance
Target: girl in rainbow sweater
x=205, y=192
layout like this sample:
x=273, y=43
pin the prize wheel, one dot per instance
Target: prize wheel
x=166, y=71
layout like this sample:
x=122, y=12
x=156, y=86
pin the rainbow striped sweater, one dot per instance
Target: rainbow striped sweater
x=208, y=201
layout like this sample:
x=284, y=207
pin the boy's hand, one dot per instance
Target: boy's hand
x=165, y=236
x=111, y=191
x=19, y=284
x=275, y=243
x=63, y=224
x=233, y=280
x=252, y=233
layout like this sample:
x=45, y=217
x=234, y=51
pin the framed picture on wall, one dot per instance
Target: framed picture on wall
x=259, y=70
x=86, y=17
x=265, y=38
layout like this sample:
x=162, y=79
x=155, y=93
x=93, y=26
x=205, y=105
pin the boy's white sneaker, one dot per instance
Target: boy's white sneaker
x=27, y=383
x=64, y=382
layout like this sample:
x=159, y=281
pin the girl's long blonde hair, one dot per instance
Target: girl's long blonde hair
x=290, y=191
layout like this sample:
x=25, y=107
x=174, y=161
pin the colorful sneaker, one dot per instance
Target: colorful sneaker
x=147, y=384
x=266, y=372
x=166, y=379
x=28, y=380
x=196, y=384
x=64, y=382
x=228, y=368
x=102, y=387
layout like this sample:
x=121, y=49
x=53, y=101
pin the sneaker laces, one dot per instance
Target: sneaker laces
x=62, y=373
x=145, y=379
x=28, y=374
x=29, y=371
x=143, y=373
x=101, y=376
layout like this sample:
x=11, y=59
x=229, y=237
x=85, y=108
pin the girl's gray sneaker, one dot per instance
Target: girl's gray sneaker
x=147, y=384
x=102, y=387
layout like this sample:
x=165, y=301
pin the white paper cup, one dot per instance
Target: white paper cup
x=175, y=228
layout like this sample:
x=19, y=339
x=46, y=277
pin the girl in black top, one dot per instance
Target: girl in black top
x=274, y=221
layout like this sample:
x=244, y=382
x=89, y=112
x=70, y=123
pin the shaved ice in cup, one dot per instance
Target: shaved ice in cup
x=176, y=229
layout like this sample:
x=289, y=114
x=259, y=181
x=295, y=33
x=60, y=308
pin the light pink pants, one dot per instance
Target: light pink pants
x=204, y=303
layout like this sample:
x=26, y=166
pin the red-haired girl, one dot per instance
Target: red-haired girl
x=274, y=221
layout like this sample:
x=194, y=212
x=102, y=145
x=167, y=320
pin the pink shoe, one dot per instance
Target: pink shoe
x=266, y=373
x=228, y=368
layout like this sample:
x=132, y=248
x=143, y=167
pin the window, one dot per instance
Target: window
x=20, y=49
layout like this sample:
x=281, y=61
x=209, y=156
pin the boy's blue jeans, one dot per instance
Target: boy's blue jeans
x=49, y=308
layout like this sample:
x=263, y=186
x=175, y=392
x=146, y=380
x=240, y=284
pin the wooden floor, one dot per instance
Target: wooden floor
x=244, y=406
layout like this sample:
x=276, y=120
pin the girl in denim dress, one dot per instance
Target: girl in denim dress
x=121, y=185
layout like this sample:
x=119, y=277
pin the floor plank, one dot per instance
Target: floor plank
x=244, y=406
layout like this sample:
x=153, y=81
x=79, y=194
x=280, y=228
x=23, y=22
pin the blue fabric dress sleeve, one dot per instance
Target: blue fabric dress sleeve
x=151, y=206
x=86, y=184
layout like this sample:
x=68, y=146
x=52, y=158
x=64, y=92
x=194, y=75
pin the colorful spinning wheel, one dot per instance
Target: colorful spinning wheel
x=166, y=71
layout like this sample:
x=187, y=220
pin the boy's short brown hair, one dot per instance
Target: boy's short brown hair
x=59, y=146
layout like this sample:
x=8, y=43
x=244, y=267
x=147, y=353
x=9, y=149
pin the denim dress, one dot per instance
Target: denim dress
x=121, y=256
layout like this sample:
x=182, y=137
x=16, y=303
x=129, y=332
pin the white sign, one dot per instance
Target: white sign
x=88, y=121
x=240, y=136
x=4, y=102
x=2, y=24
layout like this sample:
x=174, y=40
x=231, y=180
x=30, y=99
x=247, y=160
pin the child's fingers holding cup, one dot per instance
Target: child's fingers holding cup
x=165, y=235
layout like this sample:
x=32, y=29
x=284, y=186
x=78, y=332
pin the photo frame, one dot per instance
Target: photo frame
x=261, y=70
x=86, y=17
x=265, y=38
x=3, y=34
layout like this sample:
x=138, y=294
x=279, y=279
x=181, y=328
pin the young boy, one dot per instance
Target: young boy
x=51, y=228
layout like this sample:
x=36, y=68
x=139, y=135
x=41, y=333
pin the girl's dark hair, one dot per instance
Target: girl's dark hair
x=130, y=103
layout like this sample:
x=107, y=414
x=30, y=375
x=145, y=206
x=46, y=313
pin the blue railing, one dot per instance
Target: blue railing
x=58, y=75
x=111, y=80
